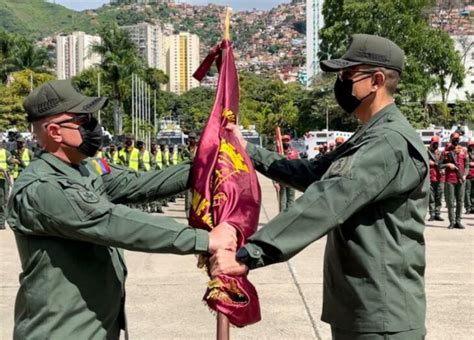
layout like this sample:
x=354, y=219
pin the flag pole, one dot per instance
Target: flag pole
x=223, y=329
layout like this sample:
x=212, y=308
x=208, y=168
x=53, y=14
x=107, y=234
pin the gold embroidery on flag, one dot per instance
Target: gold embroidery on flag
x=219, y=199
x=229, y=115
x=232, y=163
x=201, y=207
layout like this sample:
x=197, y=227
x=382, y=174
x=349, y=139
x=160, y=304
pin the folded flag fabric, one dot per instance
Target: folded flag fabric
x=226, y=188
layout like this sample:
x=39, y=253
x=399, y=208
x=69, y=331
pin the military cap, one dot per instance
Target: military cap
x=20, y=139
x=370, y=50
x=60, y=96
x=192, y=135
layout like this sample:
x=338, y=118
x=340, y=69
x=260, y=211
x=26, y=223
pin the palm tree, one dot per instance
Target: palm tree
x=25, y=55
x=17, y=54
x=120, y=59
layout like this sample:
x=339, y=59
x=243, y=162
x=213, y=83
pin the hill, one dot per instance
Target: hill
x=37, y=18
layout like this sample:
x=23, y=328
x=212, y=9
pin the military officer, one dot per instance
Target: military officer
x=156, y=163
x=21, y=157
x=469, y=192
x=457, y=166
x=436, y=179
x=70, y=226
x=286, y=194
x=5, y=180
x=188, y=153
x=369, y=196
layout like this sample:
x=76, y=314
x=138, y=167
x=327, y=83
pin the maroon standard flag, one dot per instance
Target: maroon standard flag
x=226, y=187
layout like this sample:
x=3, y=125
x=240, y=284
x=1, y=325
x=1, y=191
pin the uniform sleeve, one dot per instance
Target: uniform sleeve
x=128, y=186
x=373, y=173
x=67, y=210
x=279, y=169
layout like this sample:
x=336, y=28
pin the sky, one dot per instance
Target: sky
x=235, y=4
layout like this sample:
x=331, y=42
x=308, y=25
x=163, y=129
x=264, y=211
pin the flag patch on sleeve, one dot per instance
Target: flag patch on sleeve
x=101, y=166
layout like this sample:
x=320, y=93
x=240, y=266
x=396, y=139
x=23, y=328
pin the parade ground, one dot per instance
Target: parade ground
x=164, y=292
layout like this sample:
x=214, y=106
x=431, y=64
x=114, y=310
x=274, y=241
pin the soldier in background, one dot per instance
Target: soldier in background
x=5, y=180
x=112, y=154
x=144, y=164
x=469, y=195
x=286, y=194
x=457, y=166
x=436, y=179
x=20, y=157
x=130, y=156
x=339, y=141
x=156, y=163
x=188, y=153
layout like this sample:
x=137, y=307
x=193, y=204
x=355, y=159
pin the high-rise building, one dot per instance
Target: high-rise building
x=183, y=60
x=74, y=54
x=314, y=22
x=150, y=41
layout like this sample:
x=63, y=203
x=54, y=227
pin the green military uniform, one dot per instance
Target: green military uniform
x=370, y=198
x=5, y=169
x=70, y=228
x=454, y=185
x=189, y=153
x=469, y=191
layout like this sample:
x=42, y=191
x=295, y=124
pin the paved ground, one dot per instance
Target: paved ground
x=164, y=291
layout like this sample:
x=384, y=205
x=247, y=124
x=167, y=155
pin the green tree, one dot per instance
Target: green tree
x=12, y=113
x=120, y=59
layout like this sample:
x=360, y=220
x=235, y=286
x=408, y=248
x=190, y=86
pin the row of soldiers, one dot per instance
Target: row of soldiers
x=135, y=156
x=451, y=172
x=12, y=162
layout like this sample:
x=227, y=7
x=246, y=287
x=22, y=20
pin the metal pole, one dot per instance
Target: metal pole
x=327, y=119
x=98, y=93
x=133, y=102
x=149, y=117
x=155, y=130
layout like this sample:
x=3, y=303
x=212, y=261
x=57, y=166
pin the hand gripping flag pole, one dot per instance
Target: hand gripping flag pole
x=225, y=189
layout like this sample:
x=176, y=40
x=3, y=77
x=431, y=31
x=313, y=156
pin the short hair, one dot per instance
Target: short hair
x=392, y=79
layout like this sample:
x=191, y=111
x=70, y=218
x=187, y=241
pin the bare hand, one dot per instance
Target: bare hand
x=224, y=262
x=224, y=236
x=452, y=166
x=432, y=163
x=237, y=133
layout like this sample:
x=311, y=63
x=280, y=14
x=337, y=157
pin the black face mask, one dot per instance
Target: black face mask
x=455, y=142
x=435, y=146
x=91, y=133
x=286, y=146
x=344, y=97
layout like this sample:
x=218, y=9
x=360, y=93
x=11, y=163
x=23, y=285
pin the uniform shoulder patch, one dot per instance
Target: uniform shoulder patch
x=88, y=196
x=340, y=168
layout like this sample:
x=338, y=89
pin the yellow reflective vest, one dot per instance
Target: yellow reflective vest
x=134, y=159
x=146, y=160
x=159, y=160
x=3, y=162
x=25, y=157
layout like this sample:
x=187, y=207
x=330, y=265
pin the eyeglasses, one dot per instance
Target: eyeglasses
x=349, y=74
